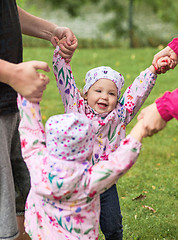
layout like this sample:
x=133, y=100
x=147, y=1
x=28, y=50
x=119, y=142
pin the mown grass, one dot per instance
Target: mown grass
x=155, y=173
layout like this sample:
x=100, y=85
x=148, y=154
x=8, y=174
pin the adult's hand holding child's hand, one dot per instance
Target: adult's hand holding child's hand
x=25, y=79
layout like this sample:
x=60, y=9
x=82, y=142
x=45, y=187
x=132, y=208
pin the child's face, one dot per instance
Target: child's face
x=102, y=96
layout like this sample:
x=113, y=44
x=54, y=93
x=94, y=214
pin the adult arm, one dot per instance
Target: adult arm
x=23, y=78
x=167, y=105
x=156, y=115
x=40, y=28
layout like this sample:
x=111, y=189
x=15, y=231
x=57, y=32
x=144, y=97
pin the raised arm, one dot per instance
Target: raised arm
x=70, y=95
x=136, y=94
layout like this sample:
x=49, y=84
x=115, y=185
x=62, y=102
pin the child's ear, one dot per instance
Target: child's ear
x=85, y=96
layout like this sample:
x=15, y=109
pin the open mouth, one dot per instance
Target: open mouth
x=102, y=105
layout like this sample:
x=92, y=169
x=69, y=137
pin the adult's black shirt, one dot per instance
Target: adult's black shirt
x=10, y=50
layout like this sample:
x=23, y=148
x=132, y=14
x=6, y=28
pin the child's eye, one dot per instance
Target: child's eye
x=112, y=94
x=98, y=91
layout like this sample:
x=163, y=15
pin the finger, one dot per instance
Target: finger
x=140, y=116
x=44, y=78
x=40, y=65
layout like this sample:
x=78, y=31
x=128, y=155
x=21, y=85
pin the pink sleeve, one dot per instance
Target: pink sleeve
x=174, y=45
x=104, y=174
x=167, y=105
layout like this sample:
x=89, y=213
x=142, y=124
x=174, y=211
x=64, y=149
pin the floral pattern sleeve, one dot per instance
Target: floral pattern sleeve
x=136, y=94
x=43, y=168
x=70, y=94
x=104, y=174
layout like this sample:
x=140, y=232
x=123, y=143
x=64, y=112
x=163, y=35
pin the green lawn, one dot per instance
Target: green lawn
x=155, y=173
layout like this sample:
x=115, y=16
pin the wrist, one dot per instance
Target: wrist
x=6, y=72
x=153, y=69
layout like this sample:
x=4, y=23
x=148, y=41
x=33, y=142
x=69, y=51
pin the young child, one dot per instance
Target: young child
x=63, y=202
x=110, y=113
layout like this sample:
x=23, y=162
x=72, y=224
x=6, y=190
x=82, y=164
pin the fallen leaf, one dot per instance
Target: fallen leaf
x=153, y=187
x=123, y=197
x=149, y=208
x=140, y=197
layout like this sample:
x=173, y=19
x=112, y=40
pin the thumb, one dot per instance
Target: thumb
x=41, y=65
x=140, y=116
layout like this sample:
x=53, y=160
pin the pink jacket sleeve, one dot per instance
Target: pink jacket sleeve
x=167, y=105
x=174, y=45
x=104, y=174
x=68, y=90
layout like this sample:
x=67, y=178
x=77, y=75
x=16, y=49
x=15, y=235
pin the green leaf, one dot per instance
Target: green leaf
x=59, y=185
x=35, y=142
x=59, y=220
x=77, y=230
x=87, y=231
x=61, y=71
x=50, y=177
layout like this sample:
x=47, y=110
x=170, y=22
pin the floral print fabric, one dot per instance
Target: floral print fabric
x=63, y=202
x=110, y=127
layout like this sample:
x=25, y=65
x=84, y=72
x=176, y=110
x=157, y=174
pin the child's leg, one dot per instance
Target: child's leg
x=110, y=216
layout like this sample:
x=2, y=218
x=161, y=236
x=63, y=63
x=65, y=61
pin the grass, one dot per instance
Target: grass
x=155, y=173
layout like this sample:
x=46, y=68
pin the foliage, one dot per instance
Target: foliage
x=155, y=173
x=166, y=10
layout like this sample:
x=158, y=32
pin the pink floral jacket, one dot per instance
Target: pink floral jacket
x=110, y=127
x=63, y=202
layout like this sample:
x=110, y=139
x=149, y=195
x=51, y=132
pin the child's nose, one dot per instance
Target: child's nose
x=104, y=95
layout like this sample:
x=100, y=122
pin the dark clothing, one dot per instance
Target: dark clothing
x=14, y=175
x=110, y=209
x=10, y=50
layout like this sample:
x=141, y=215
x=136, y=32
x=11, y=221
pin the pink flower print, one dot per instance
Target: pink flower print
x=26, y=205
x=23, y=143
x=75, y=191
x=104, y=156
x=91, y=195
x=123, y=126
x=57, y=198
x=126, y=141
x=79, y=219
x=101, y=123
x=129, y=165
x=80, y=103
x=90, y=170
x=39, y=217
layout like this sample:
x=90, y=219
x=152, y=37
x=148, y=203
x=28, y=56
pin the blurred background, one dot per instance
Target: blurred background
x=113, y=23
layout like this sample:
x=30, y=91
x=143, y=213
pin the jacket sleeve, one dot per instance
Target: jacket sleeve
x=68, y=90
x=45, y=177
x=174, y=45
x=167, y=105
x=136, y=94
x=104, y=174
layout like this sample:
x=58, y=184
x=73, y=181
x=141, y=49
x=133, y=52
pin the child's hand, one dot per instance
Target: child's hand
x=66, y=50
x=166, y=52
x=164, y=64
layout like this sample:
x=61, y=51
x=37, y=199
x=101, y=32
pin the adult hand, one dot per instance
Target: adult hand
x=69, y=43
x=152, y=120
x=172, y=59
x=25, y=79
